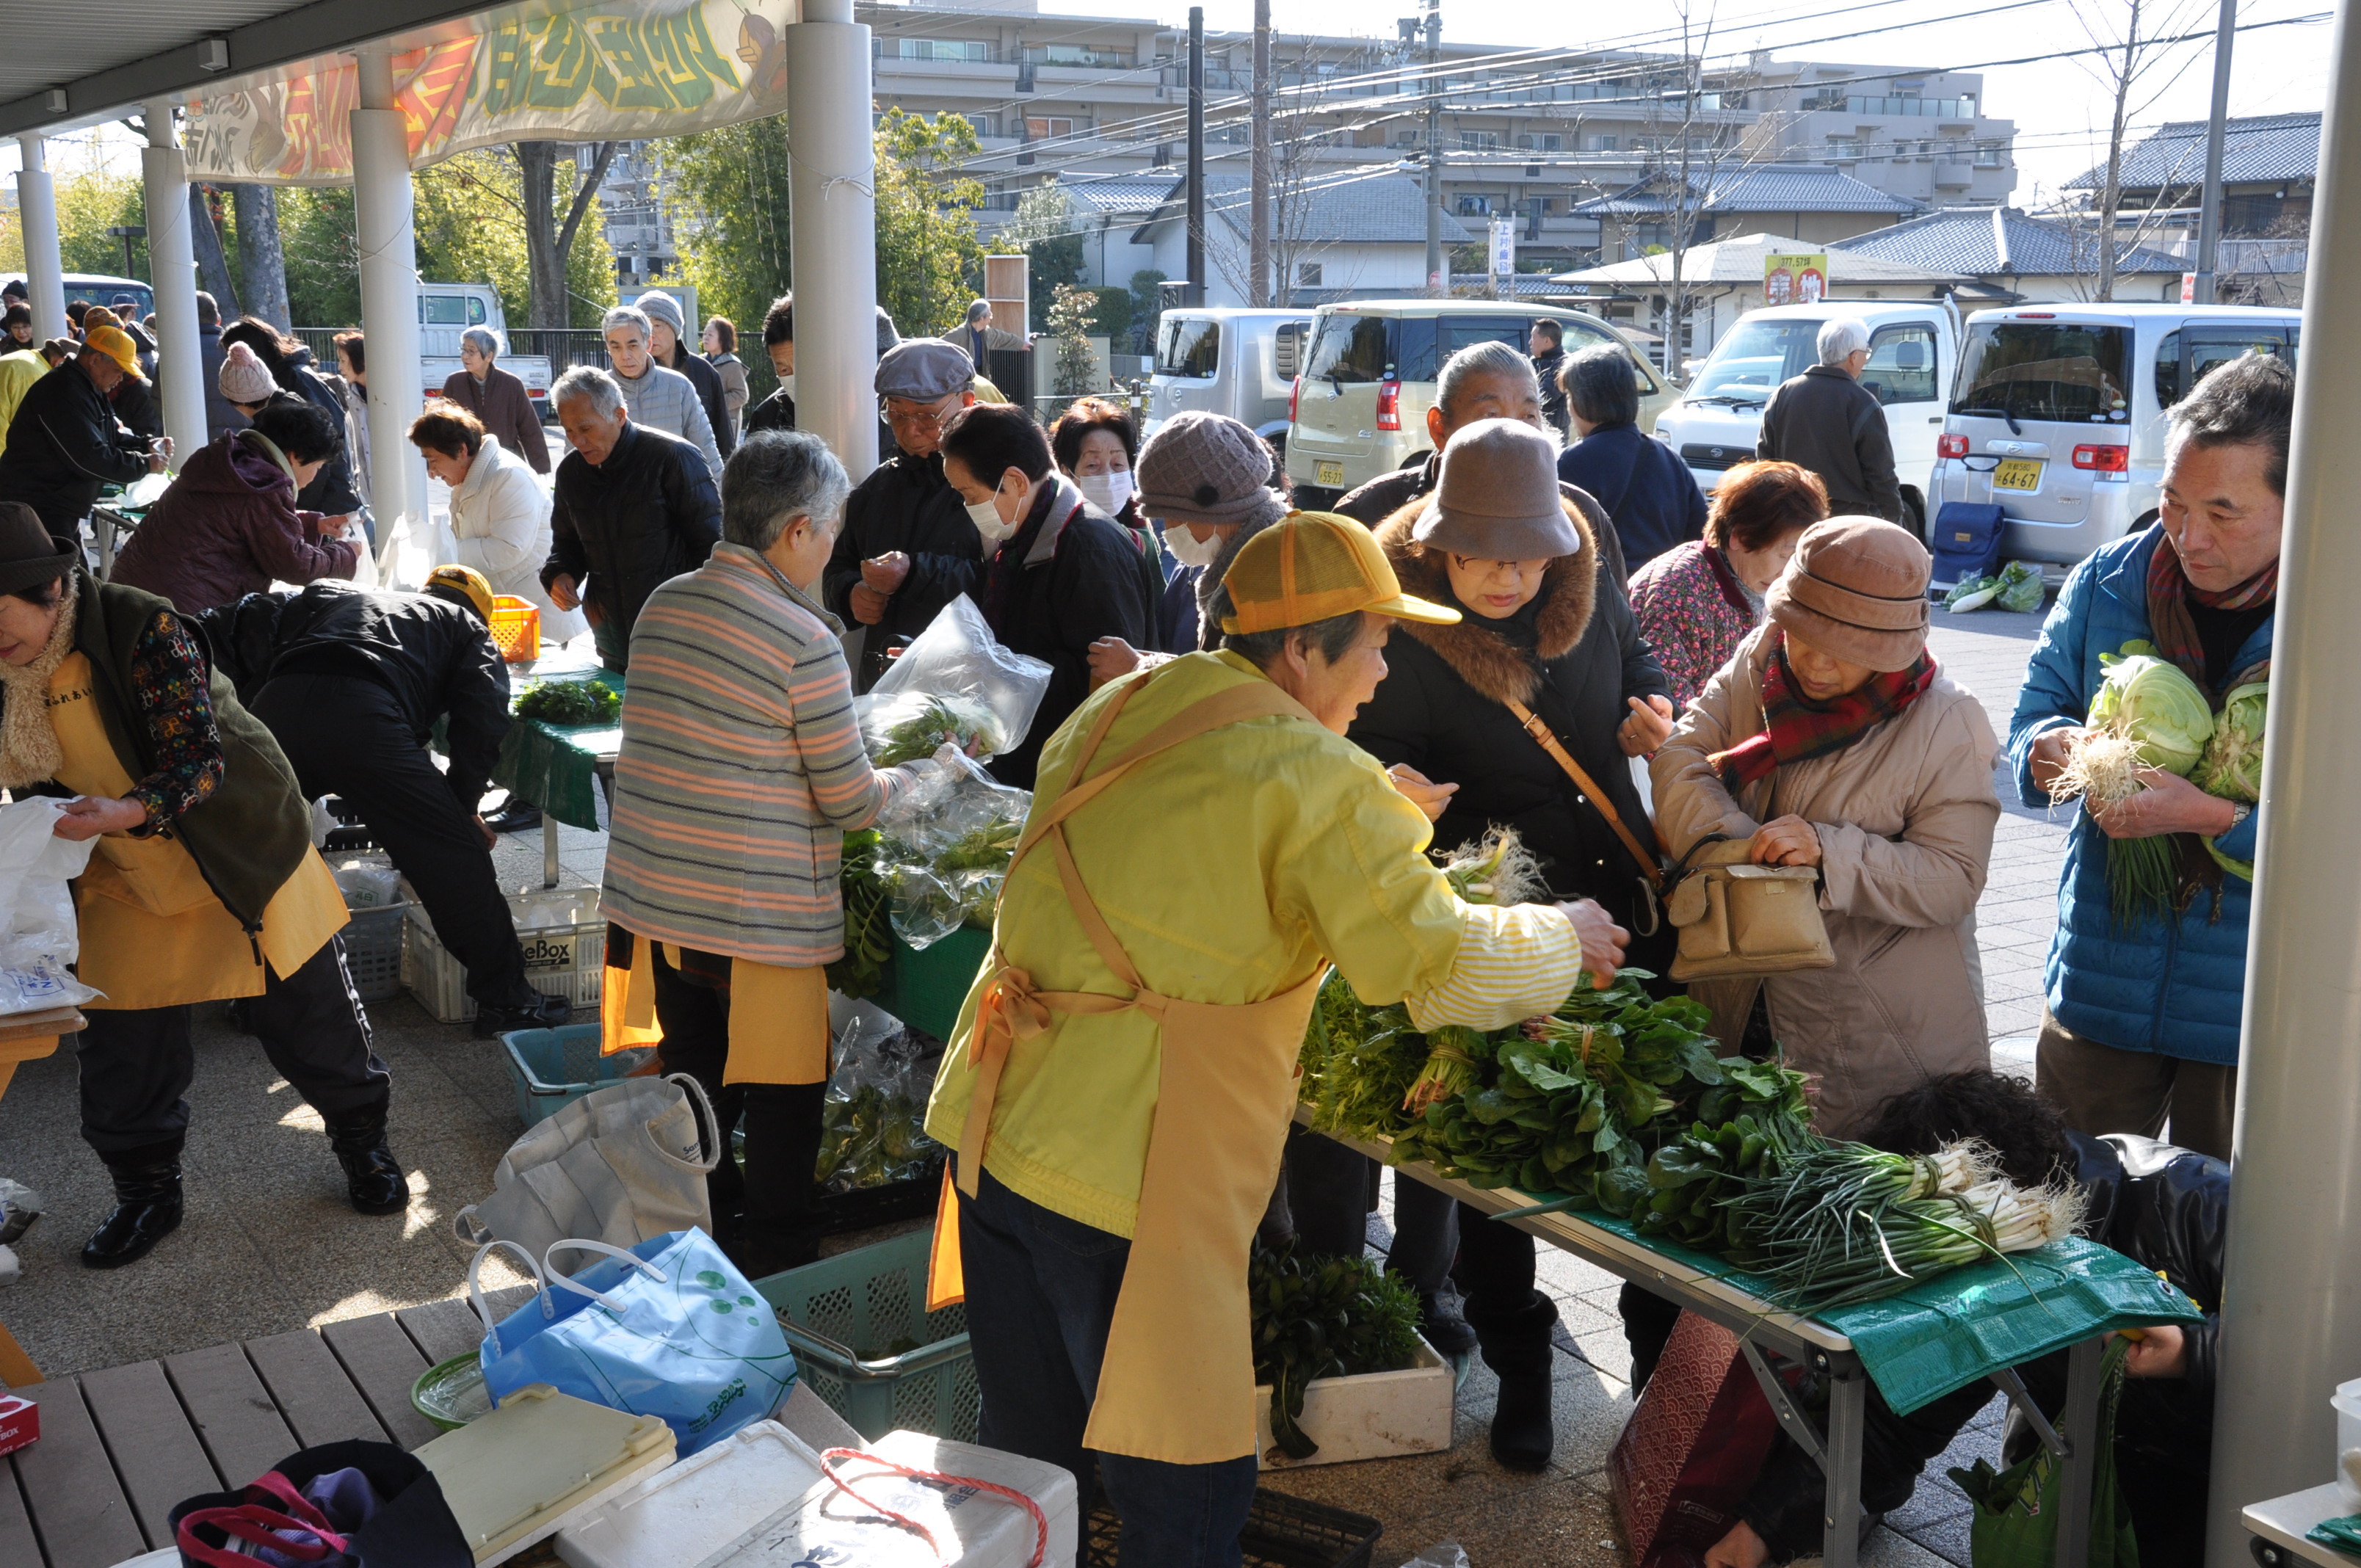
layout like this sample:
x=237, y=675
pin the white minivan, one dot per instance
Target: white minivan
x=2058, y=412
x=1913, y=346
x=1229, y=361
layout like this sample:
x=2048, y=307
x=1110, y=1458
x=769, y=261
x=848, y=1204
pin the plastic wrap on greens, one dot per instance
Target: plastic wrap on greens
x=942, y=856
x=2021, y=588
x=873, y=1117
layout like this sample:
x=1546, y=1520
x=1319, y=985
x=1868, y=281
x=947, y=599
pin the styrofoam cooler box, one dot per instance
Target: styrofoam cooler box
x=759, y=1500
x=564, y=941
x=1374, y=1415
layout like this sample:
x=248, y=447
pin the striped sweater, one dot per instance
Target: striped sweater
x=740, y=769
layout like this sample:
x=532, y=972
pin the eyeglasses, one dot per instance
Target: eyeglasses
x=930, y=419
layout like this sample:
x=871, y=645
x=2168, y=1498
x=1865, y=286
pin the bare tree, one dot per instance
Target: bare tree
x=548, y=242
x=2128, y=59
x=1692, y=150
x=1296, y=179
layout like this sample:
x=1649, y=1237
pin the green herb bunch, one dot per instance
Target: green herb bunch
x=969, y=724
x=868, y=928
x=1323, y=1317
x=1358, y=1063
x=569, y=703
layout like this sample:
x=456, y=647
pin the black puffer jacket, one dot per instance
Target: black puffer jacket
x=63, y=445
x=1833, y=425
x=1571, y=656
x=906, y=505
x=435, y=657
x=2165, y=1209
x=641, y=518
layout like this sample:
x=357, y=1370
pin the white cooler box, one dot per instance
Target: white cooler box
x=760, y=1501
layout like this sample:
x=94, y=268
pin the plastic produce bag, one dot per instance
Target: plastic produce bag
x=2021, y=588
x=943, y=851
x=368, y=885
x=873, y=1118
x=955, y=682
x=42, y=938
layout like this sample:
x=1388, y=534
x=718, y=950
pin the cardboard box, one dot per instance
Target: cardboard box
x=20, y=1422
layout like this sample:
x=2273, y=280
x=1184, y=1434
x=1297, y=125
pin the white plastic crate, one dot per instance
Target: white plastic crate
x=1374, y=1416
x=564, y=940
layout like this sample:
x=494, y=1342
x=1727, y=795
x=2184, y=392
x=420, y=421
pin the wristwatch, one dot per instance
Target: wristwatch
x=2239, y=812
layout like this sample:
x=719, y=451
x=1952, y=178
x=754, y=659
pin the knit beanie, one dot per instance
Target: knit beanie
x=657, y=305
x=243, y=378
x=1206, y=468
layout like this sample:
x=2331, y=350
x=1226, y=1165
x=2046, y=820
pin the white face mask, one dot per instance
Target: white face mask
x=986, y=517
x=1108, y=492
x=788, y=385
x=1188, y=549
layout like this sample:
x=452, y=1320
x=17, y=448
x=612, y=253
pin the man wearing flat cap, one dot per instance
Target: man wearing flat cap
x=909, y=546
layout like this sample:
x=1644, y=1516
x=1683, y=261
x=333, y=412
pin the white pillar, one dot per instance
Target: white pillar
x=2291, y=1306
x=389, y=258
x=172, y=270
x=832, y=193
x=45, y=273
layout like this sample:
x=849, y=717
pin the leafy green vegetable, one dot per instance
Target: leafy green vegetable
x=2147, y=714
x=2152, y=703
x=871, y=1138
x=1359, y=1063
x=572, y=703
x=1323, y=1317
x=868, y=934
x=963, y=721
x=1972, y=593
x=2021, y=589
x=2233, y=764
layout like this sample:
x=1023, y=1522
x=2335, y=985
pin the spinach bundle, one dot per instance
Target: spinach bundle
x=1744, y=1125
x=1323, y=1317
x=569, y=703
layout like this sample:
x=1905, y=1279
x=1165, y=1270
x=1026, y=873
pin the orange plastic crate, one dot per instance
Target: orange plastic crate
x=516, y=627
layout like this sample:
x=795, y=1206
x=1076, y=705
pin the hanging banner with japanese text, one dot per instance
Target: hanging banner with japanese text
x=553, y=71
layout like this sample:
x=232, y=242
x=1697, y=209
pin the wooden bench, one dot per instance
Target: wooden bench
x=120, y=1447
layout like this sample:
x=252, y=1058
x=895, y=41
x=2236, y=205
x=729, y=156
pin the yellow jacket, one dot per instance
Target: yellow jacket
x=1231, y=868
x=19, y=371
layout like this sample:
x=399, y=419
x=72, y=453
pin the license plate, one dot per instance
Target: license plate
x=2018, y=474
x=1330, y=473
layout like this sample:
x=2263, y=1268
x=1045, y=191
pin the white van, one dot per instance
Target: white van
x=1241, y=362
x=447, y=310
x=1912, y=348
x=2058, y=412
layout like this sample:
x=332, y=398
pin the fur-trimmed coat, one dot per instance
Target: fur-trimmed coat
x=1441, y=709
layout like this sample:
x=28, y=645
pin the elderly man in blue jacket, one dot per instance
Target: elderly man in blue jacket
x=2142, y=1021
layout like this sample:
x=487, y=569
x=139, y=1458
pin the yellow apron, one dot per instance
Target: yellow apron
x=1177, y=1384
x=153, y=932
x=778, y=1017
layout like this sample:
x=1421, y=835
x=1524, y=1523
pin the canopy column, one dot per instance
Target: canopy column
x=172, y=273
x=2291, y=1306
x=832, y=196
x=45, y=273
x=388, y=266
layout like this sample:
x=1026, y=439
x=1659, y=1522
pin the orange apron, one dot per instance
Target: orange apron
x=1177, y=1384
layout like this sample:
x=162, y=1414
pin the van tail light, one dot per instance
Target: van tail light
x=1295, y=394
x=2104, y=459
x=1950, y=447
x=1389, y=405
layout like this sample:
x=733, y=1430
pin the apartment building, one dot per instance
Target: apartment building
x=639, y=230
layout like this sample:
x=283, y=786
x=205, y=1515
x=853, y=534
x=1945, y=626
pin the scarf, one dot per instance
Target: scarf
x=1796, y=729
x=2169, y=594
x=1739, y=596
x=29, y=751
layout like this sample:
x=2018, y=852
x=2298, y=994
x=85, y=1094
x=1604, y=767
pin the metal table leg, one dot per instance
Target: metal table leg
x=2081, y=1465
x=1840, y=1535
x=548, y=847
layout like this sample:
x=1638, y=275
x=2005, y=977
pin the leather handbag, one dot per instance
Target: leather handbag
x=1739, y=919
x=1651, y=868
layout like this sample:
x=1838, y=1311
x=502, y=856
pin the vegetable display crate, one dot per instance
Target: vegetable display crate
x=373, y=951
x=1281, y=1532
x=866, y=1344
x=516, y=627
x=564, y=940
x=551, y=1069
x=926, y=988
x=1377, y=1415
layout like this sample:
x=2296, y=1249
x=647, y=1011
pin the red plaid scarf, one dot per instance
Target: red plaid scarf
x=1796, y=729
x=2169, y=594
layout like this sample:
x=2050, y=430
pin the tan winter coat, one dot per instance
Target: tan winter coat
x=1905, y=817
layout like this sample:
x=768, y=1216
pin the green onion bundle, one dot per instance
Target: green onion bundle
x=2147, y=714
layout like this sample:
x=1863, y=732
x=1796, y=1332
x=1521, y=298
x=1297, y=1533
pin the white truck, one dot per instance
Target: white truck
x=1227, y=360
x=1913, y=354
x=447, y=310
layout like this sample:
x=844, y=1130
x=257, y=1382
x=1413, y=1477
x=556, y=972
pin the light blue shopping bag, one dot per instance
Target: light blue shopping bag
x=669, y=1329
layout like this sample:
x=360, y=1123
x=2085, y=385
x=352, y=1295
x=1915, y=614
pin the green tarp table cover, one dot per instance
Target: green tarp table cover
x=555, y=766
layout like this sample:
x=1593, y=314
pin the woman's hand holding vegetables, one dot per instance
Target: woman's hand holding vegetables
x=1111, y=658
x=1649, y=726
x=2169, y=804
x=1431, y=799
x=89, y=815
x=2160, y=1352
x=1786, y=841
x=1602, y=940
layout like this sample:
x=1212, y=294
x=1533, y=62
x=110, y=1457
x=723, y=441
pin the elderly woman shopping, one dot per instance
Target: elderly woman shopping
x=741, y=767
x=500, y=514
x=498, y=400
x=203, y=884
x=1697, y=601
x=1832, y=741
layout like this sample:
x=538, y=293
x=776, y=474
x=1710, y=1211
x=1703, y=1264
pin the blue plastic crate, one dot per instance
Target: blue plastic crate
x=553, y=1067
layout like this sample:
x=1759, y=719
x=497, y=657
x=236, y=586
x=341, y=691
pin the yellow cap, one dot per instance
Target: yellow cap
x=1313, y=565
x=468, y=582
x=116, y=345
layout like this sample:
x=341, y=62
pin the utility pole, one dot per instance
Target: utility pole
x=1266, y=291
x=1436, y=279
x=1196, y=183
x=2209, y=219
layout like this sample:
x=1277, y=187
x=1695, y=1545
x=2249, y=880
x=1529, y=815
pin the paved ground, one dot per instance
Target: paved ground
x=270, y=1245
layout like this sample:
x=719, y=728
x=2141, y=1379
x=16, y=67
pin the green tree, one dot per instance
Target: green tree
x=929, y=262
x=1044, y=230
x=316, y=234
x=1076, y=371
x=727, y=193
x=90, y=202
x=1111, y=318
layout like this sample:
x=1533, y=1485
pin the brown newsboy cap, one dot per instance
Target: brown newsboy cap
x=1497, y=497
x=1856, y=589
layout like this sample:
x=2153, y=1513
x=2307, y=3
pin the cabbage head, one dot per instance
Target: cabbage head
x=2149, y=701
x=2232, y=765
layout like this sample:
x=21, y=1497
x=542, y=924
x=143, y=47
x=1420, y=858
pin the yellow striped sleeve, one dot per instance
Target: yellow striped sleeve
x=1514, y=964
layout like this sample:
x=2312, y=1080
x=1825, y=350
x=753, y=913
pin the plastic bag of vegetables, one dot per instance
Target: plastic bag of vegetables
x=2017, y=586
x=942, y=855
x=2147, y=714
x=872, y=1115
x=956, y=682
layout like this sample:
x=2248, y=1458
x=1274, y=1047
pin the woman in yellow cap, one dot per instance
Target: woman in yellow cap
x=1121, y=1079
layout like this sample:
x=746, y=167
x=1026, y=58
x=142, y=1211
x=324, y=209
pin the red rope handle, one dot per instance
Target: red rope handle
x=1040, y=1520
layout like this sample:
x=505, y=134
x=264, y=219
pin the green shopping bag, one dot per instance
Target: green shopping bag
x=2015, y=1523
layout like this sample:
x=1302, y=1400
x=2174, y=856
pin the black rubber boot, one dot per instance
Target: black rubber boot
x=374, y=1181
x=147, y=1206
x=1517, y=1348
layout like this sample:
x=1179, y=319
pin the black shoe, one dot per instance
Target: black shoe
x=146, y=1208
x=1445, y=1329
x=1523, y=1428
x=518, y=817
x=548, y=1012
x=373, y=1177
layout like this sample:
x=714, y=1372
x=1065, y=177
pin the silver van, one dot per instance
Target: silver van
x=1241, y=362
x=2058, y=412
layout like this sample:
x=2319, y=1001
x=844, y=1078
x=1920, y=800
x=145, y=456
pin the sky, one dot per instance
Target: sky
x=2061, y=107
